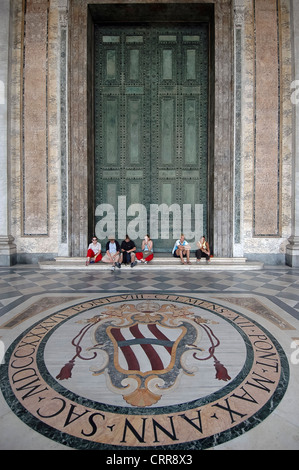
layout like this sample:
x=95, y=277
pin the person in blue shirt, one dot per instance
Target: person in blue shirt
x=112, y=252
x=181, y=249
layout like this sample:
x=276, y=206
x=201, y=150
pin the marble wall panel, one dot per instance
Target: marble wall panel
x=35, y=244
x=35, y=126
x=267, y=158
x=255, y=240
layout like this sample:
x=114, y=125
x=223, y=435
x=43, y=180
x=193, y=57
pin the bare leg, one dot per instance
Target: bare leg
x=180, y=254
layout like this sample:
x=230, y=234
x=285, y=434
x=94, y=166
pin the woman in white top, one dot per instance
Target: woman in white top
x=203, y=250
x=147, y=250
x=94, y=254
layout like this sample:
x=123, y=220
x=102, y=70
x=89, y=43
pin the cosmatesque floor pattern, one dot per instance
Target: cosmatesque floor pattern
x=163, y=361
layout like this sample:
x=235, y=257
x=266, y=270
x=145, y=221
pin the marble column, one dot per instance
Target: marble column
x=223, y=140
x=292, y=251
x=63, y=108
x=78, y=124
x=239, y=16
x=7, y=247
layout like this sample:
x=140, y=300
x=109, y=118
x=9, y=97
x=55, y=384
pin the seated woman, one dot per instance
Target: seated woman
x=147, y=253
x=203, y=250
x=94, y=254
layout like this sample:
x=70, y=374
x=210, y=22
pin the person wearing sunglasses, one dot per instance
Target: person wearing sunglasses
x=94, y=254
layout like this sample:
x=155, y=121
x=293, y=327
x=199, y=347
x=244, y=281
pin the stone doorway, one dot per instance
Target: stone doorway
x=83, y=17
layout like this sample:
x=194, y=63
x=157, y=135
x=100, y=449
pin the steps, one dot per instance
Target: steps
x=160, y=262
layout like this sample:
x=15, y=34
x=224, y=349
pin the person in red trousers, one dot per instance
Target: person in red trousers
x=94, y=251
x=147, y=250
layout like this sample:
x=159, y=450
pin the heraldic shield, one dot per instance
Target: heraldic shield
x=143, y=352
x=144, y=349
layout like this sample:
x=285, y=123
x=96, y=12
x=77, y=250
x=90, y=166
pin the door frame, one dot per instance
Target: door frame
x=82, y=15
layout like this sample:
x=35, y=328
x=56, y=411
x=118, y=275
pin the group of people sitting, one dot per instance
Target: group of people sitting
x=182, y=250
x=117, y=254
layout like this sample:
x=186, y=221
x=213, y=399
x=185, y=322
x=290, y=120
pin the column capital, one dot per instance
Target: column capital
x=239, y=12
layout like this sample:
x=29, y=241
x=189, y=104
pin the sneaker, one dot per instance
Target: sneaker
x=133, y=264
x=118, y=265
x=113, y=268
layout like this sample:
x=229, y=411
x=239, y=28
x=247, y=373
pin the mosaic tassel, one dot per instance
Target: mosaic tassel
x=66, y=371
x=221, y=371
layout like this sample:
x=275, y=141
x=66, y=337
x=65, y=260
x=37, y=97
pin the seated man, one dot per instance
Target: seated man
x=181, y=249
x=127, y=252
x=112, y=252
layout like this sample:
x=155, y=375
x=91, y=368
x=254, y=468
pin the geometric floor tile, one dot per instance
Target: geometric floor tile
x=154, y=361
x=144, y=371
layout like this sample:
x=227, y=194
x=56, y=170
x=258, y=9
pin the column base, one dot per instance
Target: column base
x=8, y=251
x=292, y=252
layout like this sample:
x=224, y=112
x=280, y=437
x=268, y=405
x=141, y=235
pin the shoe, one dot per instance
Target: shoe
x=118, y=265
x=113, y=268
x=133, y=264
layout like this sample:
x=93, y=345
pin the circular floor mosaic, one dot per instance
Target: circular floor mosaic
x=144, y=371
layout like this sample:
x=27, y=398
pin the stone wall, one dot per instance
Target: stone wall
x=266, y=130
x=48, y=122
x=35, y=117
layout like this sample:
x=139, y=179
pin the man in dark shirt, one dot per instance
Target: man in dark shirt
x=127, y=252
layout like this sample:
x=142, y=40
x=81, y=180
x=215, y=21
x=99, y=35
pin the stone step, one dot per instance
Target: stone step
x=160, y=262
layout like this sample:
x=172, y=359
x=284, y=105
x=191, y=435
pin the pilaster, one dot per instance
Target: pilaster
x=223, y=140
x=239, y=17
x=63, y=249
x=292, y=250
x=7, y=247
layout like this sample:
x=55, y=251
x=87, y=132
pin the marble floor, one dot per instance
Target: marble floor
x=149, y=360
